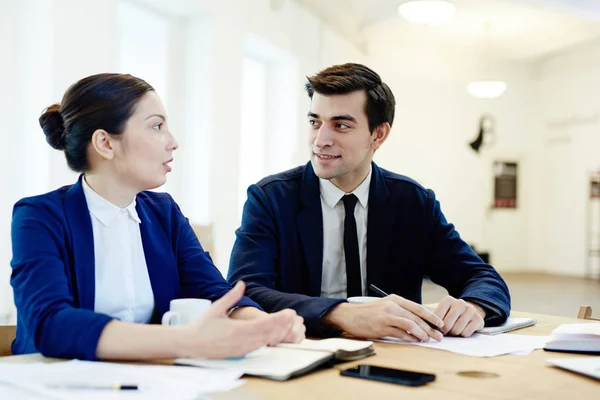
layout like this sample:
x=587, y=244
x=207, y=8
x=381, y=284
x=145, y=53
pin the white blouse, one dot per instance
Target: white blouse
x=123, y=288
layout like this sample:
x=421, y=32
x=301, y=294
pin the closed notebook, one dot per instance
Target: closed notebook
x=576, y=338
x=287, y=360
x=511, y=324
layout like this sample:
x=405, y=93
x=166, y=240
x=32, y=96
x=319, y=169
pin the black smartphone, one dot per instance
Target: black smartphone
x=390, y=375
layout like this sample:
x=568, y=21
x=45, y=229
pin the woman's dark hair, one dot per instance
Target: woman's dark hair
x=103, y=101
x=348, y=78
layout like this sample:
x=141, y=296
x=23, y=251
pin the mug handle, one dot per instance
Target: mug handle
x=168, y=316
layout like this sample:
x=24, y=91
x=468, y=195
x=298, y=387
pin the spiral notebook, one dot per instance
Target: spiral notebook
x=511, y=324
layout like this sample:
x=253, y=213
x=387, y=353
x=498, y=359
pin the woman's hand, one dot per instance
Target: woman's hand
x=215, y=335
x=296, y=333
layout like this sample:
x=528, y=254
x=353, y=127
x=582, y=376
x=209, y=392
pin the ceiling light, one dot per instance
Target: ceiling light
x=428, y=12
x=486, y=89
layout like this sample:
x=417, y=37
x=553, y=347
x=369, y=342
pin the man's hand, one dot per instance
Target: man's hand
x=390, y=316
x=461, y=318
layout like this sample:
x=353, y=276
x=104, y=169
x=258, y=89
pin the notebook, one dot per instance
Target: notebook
x=576, y=338
x=589, y=366
x=511, y=324
x=288, y=360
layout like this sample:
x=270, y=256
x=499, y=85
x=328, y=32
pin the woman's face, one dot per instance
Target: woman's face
x=143, y=152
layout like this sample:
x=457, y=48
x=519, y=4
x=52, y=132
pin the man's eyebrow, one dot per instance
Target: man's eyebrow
x=344, y=117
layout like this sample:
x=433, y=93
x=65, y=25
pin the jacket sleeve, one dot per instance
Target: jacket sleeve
x=255, y=260
x=42, y=295
x=454, y=265
x=199, y=277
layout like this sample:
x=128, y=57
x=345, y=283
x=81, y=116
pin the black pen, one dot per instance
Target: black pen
x=381, y=293
x=85, y=386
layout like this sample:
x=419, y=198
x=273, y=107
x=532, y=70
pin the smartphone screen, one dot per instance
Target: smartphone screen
x=390, y=375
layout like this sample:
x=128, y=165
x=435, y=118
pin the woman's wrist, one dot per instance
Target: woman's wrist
x=184, y=339
x=247, y=313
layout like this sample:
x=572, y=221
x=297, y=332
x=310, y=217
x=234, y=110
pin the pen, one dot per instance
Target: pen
x=83, y=386
x=381, y=293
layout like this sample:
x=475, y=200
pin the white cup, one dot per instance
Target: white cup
x=185, y=311
x=362, y=299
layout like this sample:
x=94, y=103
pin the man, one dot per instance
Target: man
x=312, y=236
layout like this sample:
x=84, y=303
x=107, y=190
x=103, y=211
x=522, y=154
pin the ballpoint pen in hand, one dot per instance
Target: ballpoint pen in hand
x=381, y=293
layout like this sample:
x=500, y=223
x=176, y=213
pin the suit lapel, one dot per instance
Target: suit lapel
x=159, y=258
x=310, y=226
x=82, y=237
x=379, y=228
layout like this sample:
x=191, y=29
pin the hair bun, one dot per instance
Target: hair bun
x=53, y=126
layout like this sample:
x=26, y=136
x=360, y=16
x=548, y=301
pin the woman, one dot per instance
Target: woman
x=95, y=261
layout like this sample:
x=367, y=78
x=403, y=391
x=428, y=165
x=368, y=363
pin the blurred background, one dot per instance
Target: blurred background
x=497, y=111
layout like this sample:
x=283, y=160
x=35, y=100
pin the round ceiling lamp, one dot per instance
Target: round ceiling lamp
x=428, y=12
x=486, y=89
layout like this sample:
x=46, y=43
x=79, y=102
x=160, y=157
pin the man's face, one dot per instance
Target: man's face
x=340, y=141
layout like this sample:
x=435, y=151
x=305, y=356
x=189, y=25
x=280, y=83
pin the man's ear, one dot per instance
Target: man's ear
x=102, y=144
x=380, y=135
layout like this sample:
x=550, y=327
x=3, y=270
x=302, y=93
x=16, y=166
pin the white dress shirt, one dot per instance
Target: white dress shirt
x=333, y=279
x=123, y=288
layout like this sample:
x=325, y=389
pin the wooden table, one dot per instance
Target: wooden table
x=518, y=377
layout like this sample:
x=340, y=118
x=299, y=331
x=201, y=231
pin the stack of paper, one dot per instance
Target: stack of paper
x=483, y=345
x=57, y=381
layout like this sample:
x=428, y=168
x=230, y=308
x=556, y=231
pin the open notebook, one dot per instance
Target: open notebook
x=511, y=324
x=287, y=360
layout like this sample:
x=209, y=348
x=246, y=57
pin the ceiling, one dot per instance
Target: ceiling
x=510, y=29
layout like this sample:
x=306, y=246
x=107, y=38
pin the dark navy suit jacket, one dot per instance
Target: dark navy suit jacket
x=279, y=247
x=53, y=273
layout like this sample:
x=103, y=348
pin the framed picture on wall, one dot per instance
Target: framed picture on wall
x=505, y=184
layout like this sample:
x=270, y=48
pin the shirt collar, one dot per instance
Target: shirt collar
x=103, y=209
x=332, y=194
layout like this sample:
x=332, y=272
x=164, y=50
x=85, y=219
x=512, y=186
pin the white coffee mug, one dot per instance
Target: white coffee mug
x=362, y=299
x=185, y=311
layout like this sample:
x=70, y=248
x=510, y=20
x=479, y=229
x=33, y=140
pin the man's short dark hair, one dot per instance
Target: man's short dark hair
x=348, y=78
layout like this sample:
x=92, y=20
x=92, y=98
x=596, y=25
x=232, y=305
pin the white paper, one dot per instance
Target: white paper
x=156, y=382
x=482, y=345
x=589, y=366
x=332, y=345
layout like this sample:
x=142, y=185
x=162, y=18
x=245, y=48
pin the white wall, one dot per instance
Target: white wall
x=436, y=119
x=9, y=107
x=548, y=121
x=566, y=150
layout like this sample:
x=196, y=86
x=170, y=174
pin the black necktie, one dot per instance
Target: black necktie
x=351, y=247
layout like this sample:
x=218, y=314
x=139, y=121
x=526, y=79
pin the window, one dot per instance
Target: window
x=143, y=45
x=269, y=113
x=253, y=124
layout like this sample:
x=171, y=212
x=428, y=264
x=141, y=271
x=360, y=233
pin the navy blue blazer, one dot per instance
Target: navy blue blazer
x=53, y=274
x=279, y=247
